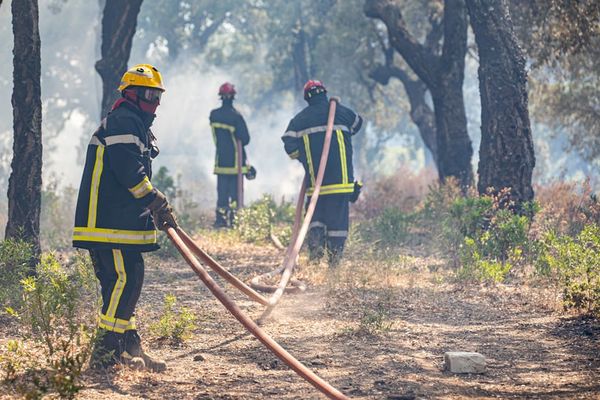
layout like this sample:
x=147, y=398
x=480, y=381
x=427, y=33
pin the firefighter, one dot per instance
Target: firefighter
x=228, y=126
x=117, y=213
x=303, y=140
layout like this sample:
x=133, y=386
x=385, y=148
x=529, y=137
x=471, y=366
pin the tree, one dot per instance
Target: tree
x=119, y=21
x=25, y=182
x=443, y=73
x=506, y=157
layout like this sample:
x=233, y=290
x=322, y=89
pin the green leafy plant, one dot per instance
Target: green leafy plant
x=264, y=217
x=15, y=256
x=175, y=323
x=576, y=261
x=388, y=229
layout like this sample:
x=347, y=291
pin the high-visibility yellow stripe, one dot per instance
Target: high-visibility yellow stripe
x=141, y=189
x=235, y=152
x=113, y=236
x=294, y=155
x=230, y=128
x=115, y=297
x=115, y=324
x=96, y=174
x=342, y=145
x=309, y=161
x=333, y=189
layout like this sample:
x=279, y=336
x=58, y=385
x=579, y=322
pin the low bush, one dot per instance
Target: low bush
x=15, y=256
x=175, y=323
x=264, y=217
x=56, y=341
x=388, y=229
x=576, y=263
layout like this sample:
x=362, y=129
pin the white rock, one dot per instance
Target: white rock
x=462, y=362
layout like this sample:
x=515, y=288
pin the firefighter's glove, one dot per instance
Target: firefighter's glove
x=356, y=193
x=160, y=202
x=165, y=218
x=251, y=174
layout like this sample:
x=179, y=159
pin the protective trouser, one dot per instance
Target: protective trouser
x=226, y=195
x=328, y=229
x=121, y=275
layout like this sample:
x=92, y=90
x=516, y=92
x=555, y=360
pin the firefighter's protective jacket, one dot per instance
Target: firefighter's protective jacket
x=304, y=139
x=228, y=126
x=115, y=186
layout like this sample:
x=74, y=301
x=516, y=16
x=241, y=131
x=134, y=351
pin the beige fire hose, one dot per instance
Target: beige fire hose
x=215, y=266
x=290, y=258
x=296, y=286
x=240, y=177
x=247, y=322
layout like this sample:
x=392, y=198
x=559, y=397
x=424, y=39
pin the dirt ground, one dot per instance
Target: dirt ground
x=374, y=329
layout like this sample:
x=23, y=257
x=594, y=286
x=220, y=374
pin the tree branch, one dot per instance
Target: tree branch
x=419, y=58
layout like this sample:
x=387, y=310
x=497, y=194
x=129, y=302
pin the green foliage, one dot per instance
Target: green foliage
x=165, y=183
x=15, y=256
x=388, y=229
x=264, y=217
x=57, y=338
x=175, y=323
x=576, y=261
x=375, y=320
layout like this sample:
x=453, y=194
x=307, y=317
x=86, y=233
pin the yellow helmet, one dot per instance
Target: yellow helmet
x=145, y=75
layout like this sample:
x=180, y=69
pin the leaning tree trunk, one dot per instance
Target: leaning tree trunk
x=443, y=74
x=506, y=157
x=119, y=22
x=25, y=182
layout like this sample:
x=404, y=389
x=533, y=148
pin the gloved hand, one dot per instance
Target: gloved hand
x=357, y=189
x=165, y=218
x=159, y=202
x=251, y=174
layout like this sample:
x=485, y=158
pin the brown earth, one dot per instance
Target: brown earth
x=374, y=329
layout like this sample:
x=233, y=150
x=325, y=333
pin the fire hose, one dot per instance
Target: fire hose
x=247, y=322
x=240, y=177
x=299, y=234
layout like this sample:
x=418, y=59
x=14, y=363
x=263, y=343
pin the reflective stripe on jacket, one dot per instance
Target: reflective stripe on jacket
x=115, y=187
x=228, y=126
x=304, y=139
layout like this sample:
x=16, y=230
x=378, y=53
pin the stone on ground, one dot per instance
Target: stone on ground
x=462, y=362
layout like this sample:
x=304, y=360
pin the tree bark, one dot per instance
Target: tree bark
x=25, y=182
x=119, y=21
x=506, y=157
x=443, y=75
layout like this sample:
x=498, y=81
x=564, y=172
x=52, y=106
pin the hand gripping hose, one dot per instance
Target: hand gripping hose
x=215, y=266
x=295, y=245
x=247, y=322
x=240, y=177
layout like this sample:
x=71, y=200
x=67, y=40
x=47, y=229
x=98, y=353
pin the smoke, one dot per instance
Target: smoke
x=186, y=143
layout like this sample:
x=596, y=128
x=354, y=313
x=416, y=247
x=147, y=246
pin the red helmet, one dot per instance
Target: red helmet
x=313, y=87
x=227, y=90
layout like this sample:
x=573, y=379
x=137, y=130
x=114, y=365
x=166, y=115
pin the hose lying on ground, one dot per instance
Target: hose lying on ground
x=253, y=328
x=215, y=266
x=298, y=237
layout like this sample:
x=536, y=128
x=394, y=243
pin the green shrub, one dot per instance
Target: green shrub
x=57, y=339
x=390, y=228
x=175, y=323
x=264, y=217
x=576, y=261
x=15, y=256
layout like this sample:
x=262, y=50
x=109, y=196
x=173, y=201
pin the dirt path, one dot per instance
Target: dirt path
x=375, y=330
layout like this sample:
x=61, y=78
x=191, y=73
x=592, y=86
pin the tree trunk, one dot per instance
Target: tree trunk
x=119, y=21
x=506, y=157
x=443, y=74
x=25, y=182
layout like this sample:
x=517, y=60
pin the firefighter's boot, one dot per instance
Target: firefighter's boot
x=221, y=218
x=107, y=349
x=133, y=346
x=316, y=244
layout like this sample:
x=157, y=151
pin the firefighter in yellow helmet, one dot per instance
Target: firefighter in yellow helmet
x=118, y=211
